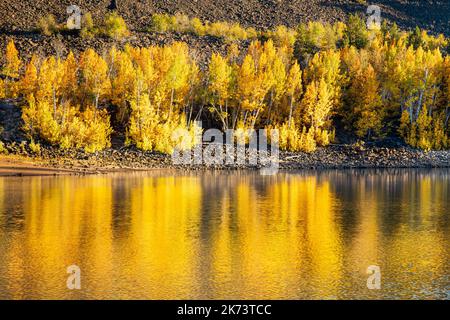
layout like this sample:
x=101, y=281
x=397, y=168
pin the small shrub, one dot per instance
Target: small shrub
x=35, y=147
x=308, y=142
x=115, y=26
x=3, y=149
x=181, y=23
x=88, y=29
x=198, y=27
x=48, y=25
x=324, y=137
x=161, y=23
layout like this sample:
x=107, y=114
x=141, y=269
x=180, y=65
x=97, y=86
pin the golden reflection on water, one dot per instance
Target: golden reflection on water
x=219, y=235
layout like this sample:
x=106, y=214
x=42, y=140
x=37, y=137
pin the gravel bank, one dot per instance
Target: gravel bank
x=332, y=157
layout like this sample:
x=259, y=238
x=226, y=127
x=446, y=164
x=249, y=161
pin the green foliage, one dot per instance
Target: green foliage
x=356, y=33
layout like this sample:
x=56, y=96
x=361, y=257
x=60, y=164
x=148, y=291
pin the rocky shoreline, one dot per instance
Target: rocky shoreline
x=130, y=159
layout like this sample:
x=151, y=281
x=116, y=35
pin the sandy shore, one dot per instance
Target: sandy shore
x=21, y=166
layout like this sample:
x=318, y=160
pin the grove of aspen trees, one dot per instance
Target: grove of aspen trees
x=369, y=82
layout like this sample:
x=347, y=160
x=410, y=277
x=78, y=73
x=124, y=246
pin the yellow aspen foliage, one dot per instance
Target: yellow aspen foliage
x=289, y=137
x=10, y=70
x=424, y=133
x=441, y=140
x=278, y=72
x=29, y=81
x=219, y=86
x=94, y=130
x=242, y=132
x=366, y=103
x=177, y=76
x=39, y=120
x=50, y=75
x=69, y=77
x=48, y=25
x=307, y=140
x=143, y=123
x=246, y=83
x=446, y=93
x=88, y=29
x=293, y=88
x=326, y=65
x=12, y=61
x=282, y=37
x=254, y=81
x=2, y=89
x=232, y=52
x=122, y=76
x=323, y=137
x=317, y=104
x=88, y=129
x=406, y=128
x=397, y=83
x=151, y=133
x=94, y=76
x=198, y=27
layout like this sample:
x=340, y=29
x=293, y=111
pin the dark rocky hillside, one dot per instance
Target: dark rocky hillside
x=22, y=15
x=18, y=19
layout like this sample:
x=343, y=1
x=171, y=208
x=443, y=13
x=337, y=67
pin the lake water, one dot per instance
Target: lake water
x=240, y=235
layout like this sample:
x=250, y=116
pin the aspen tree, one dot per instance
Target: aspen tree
x=94, y=72
x=11, y=69
x=50, y=75
x=277, y=71
x=293, y=88
x=219, y=86
x=246, y=86
x=317, y=104
x=143, y=123
x=122, y=77
x=367, y=103
x=177, y=76
x=326, y=65
x=69, y=79
x=29, y=81
x=12, y=61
